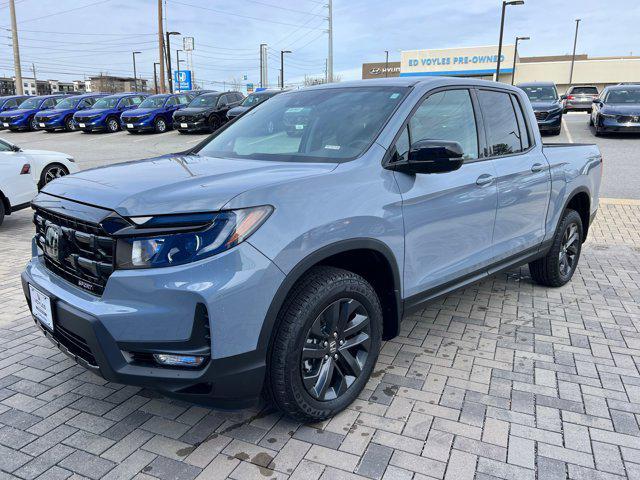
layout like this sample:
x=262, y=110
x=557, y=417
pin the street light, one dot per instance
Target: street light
x=515, y=54
x=282, y=52
x=170, y=75
x=386, y=64
x=155, y=76
x=504, y=6
x=573, y=57
x=135, y=74
x=178, y=68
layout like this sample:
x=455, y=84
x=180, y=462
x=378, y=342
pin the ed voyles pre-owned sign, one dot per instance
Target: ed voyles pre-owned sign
x=457, y=61
x=380, y=70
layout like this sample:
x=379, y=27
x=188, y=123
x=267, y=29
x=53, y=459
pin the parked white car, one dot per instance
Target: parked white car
x=24, y=172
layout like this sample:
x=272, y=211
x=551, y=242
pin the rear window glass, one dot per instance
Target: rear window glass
x=585, y=90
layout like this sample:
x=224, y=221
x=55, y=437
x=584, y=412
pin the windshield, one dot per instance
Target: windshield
x=204, y=101
x=541, y=94
x=66, y=104
x=331, y=124
x=254, y=99
x=106, y=102
x=153, y=102
x=584, y=91
x=631, y=95
x=31, y=103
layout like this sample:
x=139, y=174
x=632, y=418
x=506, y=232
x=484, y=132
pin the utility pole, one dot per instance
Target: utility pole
x=261, y=67
x=160, y=47
x=264, y=72
x=282, y=52
x=330, y=58
x=573, y=57
x=16, y=50
x=35, y=80
x=178, y=69
x=170, y=75
x=135, y=73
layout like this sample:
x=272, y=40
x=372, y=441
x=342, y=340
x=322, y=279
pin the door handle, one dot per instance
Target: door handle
x=537, y=167
x=484, y=179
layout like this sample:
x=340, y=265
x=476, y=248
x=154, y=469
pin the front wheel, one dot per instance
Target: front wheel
x=69, y=124
x=557, y=267
x=33, y=124
x=214, y=123
x=51, y=172
x=112, y=125
x=160, y=125
x=1, y=211
x=326, y=345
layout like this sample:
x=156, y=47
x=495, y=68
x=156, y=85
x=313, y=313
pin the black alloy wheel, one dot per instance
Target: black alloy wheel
x=569, y=250
x=214, y=123
x=336, y=349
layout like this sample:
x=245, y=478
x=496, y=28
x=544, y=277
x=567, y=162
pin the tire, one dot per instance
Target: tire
x=50, y=130
x=550, y=270
x=69, y=125
x=33, y=124
x=160, y=125
x=590, y=121
x=348, y=358
x=112, y=125
x=51, y=172
x=555, y=132
x=1, y=211
x=214, y=123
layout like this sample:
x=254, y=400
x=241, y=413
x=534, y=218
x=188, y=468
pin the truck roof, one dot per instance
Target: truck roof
x=411, y=81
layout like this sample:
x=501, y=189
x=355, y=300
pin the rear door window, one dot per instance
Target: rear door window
x=501, y=125
x=525, y=140
x=136, y=100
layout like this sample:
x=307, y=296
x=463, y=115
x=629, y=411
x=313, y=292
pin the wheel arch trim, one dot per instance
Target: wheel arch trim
x=269, y=325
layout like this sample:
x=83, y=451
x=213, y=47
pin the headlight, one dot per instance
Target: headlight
x=226, y=230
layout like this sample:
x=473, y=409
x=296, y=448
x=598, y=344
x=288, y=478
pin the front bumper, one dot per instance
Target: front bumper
x=148, y=309
x=96, y=125
x=53, y=124
x=141, y=126
x=612, y=125
x=15, y=124
x=553, y=121
x=191, y=125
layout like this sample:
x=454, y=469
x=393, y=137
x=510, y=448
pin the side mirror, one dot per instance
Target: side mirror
x=15, y=148
x=432, y=156
x=597, y=100
x=563, y=97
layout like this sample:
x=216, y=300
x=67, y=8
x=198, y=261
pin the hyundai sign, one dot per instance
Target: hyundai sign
x=457, y=61
x=182, y=79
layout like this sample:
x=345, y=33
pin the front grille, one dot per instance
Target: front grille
x=627, y=119
x=75, y=344
x=78, y=251
x=43, y=119
x=181, y=118
x=541, y=115
x=132, y=119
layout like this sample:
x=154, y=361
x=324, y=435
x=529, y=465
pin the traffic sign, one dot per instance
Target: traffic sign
x=249, y=87
x=187, y=44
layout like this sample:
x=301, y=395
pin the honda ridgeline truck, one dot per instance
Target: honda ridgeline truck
x=261, y=261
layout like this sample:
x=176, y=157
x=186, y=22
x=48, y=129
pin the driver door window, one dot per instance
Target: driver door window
x=222, y=101
x=447, y=115
x=4, y=147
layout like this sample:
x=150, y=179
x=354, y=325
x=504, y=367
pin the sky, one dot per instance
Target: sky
x=71, y=39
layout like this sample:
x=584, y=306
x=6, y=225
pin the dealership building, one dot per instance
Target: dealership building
x=481, y=62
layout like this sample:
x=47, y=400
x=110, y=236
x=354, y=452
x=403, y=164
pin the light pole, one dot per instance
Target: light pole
x=515, y=54
x=282, y=52
x=573, y=57
x=178, y=68
x=504, y=7
x=169, y=74
x=155, y=76
x=135, y=73
x=386, y=64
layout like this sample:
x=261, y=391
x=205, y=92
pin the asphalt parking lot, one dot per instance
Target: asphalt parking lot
x=503, y=379
x=621, y=174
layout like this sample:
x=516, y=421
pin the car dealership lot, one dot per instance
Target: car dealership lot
x=503, y=378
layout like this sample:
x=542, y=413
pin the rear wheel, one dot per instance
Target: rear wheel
x=1, y=211
x=326, y=345
x=51, y=172
x=558, y=266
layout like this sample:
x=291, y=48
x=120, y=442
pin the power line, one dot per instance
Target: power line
x=223, y=12
x=63, y=11
x=270, y=5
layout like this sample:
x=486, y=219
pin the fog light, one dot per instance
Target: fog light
x=179, y=360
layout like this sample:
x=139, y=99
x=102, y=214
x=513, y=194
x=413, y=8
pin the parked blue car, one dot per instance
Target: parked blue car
x=11, y=102
x=61, y=116
x=105, y=113
x=547, y=105
x=24, y=117
x=155, y=113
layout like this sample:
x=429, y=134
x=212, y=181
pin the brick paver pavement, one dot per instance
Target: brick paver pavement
x=503, y=379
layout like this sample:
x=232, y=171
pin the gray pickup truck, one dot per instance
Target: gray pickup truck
x=277, y=255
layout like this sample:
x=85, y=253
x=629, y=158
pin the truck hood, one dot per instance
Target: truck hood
x=176, y=184
x=621, y=109
x=552, y=105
